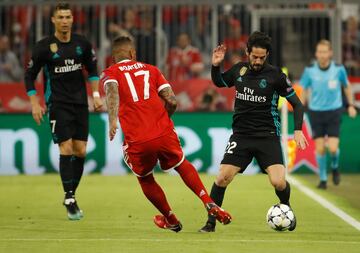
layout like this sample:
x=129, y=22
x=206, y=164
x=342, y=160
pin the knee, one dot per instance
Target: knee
x=333, y=150
x=66, y=148
x=148, y=179
x=320, y=150
x=79, y=150
x=223, y=179
x=278, y=183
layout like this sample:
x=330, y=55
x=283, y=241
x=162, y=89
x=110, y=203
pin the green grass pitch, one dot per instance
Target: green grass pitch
x=118, y=218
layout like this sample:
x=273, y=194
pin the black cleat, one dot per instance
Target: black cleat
x=72, y=211
x=322, y=185
x=79, y=211
x=208, y=228
x=336, y=176
x=293, y=224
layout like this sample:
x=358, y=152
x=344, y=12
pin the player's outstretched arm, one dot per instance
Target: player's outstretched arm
x=218, y=55
x=220, y=79
x=168, y=96
x=112, y=103
x=298, y=107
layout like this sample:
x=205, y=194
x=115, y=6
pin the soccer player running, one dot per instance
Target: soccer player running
x=139, y=95
x=256, y=122
x=62, y=57
x=323, y=82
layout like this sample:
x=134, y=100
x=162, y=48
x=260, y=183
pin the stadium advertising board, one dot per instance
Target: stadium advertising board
x=26, y=148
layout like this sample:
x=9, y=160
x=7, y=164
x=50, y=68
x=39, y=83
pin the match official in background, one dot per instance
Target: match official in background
x=323, y=82
x=62, y=57
x=256, y=121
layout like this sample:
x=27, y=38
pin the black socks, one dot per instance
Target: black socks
x=66, y=174
x=217, y=194
x=284, y=195
x=71, y=170
x=78, y=169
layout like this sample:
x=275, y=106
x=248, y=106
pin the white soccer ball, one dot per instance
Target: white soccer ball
x=280, y=217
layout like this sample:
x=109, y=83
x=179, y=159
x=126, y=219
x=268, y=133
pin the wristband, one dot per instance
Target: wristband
x=96, y=94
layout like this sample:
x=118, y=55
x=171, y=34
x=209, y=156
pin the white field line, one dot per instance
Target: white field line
x=325, y=203
x=209, y=240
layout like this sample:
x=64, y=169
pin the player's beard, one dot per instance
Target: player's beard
x=257, y=67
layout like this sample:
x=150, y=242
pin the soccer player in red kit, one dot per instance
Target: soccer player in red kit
x=143, y=100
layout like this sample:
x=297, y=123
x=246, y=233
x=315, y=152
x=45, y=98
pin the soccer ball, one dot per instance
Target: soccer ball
x=280, y=217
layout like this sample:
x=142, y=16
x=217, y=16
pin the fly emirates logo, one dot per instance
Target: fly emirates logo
x=70, y=66
x=248, y=95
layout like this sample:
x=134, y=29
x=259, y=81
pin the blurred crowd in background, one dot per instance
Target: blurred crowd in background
x=181, y=46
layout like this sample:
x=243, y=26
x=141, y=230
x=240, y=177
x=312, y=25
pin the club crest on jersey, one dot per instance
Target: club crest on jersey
x=263, y=83
x=243, y=71
x=53, y=47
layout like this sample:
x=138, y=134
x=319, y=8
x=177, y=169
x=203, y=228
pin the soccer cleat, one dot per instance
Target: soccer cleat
x=162, y=222
x=336, y=176
x=293, y=224
x=209, y=227
x=322, y=185
x=72, y=212
x=220, y=214
x=78, y=210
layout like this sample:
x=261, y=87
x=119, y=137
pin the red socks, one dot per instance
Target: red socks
x=191, y=178
x=156, y=196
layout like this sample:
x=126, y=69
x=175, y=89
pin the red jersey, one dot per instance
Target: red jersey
x=142, y=114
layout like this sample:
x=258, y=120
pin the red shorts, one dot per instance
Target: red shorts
x=142, y=158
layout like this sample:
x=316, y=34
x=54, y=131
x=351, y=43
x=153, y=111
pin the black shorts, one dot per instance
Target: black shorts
x=68, y=121
x=325, y=123
x=240, y=151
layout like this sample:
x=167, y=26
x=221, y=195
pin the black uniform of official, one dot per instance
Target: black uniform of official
x=64, y=83
x=256, y=121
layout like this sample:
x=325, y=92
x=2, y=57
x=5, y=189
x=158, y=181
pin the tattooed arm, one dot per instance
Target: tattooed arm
x=170, y=101
x=112, y=103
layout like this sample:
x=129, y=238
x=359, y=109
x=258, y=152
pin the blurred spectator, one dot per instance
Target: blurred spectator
x=235, y=41
x=184, y=61
x=351, y=45
x=146, y=39
x=2, y=109
x=10, y=69
x=211, y=101
x=128, y=28
x=131, y=22
x=148, y=36
x=235, y=57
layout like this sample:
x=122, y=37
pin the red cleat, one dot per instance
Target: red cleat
x=220, y=214
x=162, y=222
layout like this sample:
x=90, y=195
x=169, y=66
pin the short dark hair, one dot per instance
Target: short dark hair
x=61, y=6
x=259, y=39
x=122, y=40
